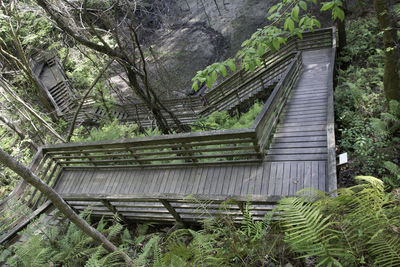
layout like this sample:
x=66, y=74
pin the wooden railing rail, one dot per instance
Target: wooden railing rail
x=267, y=119
x=211, y=147
x=172, y=207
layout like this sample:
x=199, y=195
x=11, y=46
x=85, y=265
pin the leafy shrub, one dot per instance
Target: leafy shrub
x=66, y=245
x=111, y=131
x=367, y=128
x=223, y=120
x=359, y=227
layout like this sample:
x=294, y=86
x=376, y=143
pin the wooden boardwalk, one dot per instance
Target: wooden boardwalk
x=186, y=177
x=296, y=159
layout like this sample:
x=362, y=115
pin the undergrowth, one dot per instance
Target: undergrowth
x=368, y=125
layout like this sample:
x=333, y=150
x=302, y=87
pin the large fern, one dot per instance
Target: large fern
x=358, y=227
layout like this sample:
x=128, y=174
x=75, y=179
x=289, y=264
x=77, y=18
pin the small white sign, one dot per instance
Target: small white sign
x=342, y=158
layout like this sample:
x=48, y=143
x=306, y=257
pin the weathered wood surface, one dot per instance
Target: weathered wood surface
x=301, y=133
x=296, y=159
x=121, y=176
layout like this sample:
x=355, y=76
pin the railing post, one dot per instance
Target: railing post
x=171, y=210
x=111, y=208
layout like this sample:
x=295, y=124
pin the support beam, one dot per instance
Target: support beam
x=108, y=205
x=171, y=210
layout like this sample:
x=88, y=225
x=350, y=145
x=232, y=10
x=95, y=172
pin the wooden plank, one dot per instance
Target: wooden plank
x=320, y=144
x=279, y=179
x=190, y=181
x=130, y=181
x=300, y=134
x=296, y=151
x=312, y=128
x=300, y=176
x=305, y=157
x=322, y=176
x=209, y=180
x=125, y=178
x=163, y=182
x=259, y=180
x=300, y=139
x=266, y=178
x=197, y=181
x=233, y=180
x=109, y=182
x=314, y=174
x=318, y=118
x=239, y=180
x=89, y=178
x=119, y=174
x=171, y=177
x=309, y=123
x=215, y=180
x=185, y=181
x=154, y=180
x=221, y=180
x=227, y=180
x=272, y=179
x=286, y=179
x=253, y=179
x=247, y=177
x=293, y=178
x=307, y=174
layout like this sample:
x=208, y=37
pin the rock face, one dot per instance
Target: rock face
x=184, y=36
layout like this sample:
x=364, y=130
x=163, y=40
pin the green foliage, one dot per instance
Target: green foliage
x=111, y=131
x=222, y=120
x=358, y=227
x=65, y=245
x=20, y=150
x=222, y=242
x=368, y=126
x=32, y=28
x=292, y=14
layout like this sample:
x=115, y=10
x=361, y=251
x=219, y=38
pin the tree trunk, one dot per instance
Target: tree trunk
x=59, y=203
x=20, y=134
x=126, y=58
x=391, y=79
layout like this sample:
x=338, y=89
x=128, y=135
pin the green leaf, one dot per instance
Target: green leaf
x=295, y=13
x=272, y=9
x=231, y=64
x=289, y=24
x=303, y=5
x=209, y=82
x=327, y=5
x=214, y=76
x=195, y=86
x=339, y=13
x=222, y=70
x=276, y=44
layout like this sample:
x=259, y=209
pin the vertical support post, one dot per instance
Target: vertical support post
x=108, y=205
x=171, y=210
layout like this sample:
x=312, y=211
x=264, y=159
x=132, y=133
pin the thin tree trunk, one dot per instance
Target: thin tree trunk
x=59, y=203
x=78, y=109
x=20, y=134
x=391, y=79
x=5, y=86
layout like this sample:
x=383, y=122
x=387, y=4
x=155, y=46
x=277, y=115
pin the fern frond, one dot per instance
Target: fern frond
x=386, y=249
x=307, y=231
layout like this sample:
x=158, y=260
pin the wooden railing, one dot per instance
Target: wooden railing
x=206, y=148
x=171, y=207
